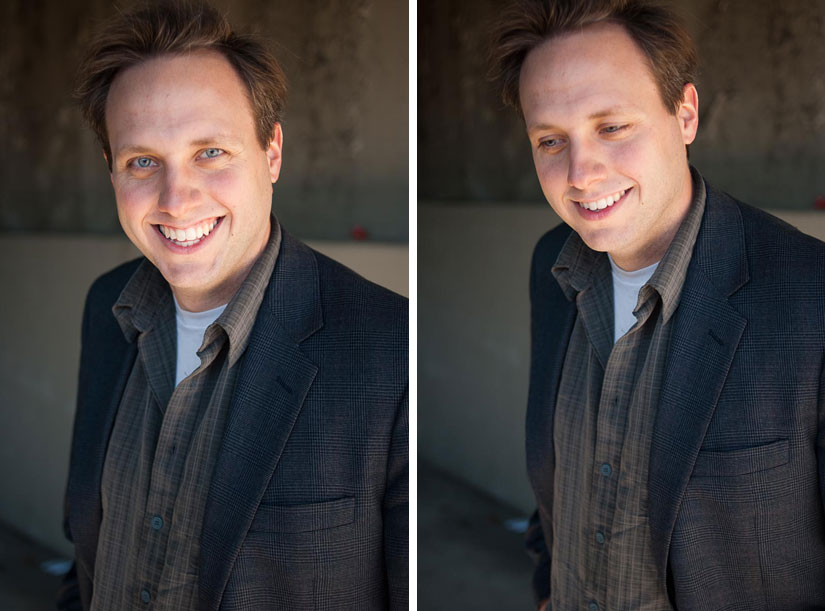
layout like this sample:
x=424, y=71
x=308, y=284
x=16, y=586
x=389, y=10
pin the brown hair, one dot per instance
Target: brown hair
x=177, y=27
x=658, y=32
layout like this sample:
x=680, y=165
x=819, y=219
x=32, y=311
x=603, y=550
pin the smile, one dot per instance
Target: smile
x=604, y=202
x=190, y=235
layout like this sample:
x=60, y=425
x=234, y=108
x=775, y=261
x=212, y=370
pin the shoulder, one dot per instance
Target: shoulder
x=349, y=303
x=364, y=328
x=543, y=285
x=772, y=244
x=550, y=244
x=339, y=282
x=782, y=270
x=107, y=288
x=371, y=315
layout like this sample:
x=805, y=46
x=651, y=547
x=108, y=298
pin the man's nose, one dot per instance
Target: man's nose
x=179, y=191
x=585, y=165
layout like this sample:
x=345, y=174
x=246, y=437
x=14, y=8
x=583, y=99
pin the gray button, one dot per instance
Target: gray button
x=157, y=522
x=606, y=470
x=144, y=595
x=599, y=537
x=593, y=607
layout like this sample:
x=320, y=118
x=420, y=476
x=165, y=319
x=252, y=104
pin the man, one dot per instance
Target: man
x=241, y=431
x=676, y=415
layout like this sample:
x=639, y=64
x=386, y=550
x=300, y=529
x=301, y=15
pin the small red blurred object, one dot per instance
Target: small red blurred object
x=358, y=233
x=819, y=202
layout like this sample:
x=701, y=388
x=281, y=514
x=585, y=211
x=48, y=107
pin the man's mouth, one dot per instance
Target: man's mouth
x=190, y=235
x=604, y=202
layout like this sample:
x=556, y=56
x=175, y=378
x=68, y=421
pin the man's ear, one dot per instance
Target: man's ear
x=108, y=163
x=688, y=113
x=273, y=152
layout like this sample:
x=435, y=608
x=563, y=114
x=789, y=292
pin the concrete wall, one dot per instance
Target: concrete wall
x=473, y=337
x=48, y=276
x=345, y=131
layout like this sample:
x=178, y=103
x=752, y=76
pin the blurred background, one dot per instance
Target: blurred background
x=761, y=138
x=343, y=188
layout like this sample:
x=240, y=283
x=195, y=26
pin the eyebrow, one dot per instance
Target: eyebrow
x=136, y=149
x=601, y=114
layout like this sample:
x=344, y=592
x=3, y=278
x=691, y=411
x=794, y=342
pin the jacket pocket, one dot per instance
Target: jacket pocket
x=304, y=518
x=741, y=462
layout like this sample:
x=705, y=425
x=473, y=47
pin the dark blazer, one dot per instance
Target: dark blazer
x=737, y=462
x=308, y=506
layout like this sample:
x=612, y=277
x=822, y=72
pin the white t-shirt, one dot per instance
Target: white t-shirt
x=191, y=327
x=626, y=286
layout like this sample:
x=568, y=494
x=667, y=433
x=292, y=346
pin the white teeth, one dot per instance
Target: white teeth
x=190, y=235
x=604, y=202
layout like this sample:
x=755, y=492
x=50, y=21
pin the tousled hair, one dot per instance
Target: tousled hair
x=170, y=28
x=655, y=28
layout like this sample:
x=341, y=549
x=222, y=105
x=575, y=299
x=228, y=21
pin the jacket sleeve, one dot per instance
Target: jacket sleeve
x=396, y=510
x=540, y=555
x=820, y=434
x=68, y=595
x=547, y=305
x=534, y=538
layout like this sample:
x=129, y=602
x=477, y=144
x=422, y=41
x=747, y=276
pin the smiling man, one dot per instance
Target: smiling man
x=676, y=414
x=240, y=439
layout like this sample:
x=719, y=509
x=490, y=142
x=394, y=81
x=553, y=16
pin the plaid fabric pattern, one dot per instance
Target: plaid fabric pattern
x=603, y=426
x=165, y=443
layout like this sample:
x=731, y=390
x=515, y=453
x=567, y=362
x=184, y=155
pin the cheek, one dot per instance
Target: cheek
x=232, y=186
x=551, y=171
x=629, y=155
x=135, y=198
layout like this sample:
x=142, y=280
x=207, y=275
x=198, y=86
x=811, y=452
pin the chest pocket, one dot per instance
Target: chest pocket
x=741, y=462
x=304, y=518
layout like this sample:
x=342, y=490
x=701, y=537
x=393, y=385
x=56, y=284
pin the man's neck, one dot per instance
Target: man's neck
x=654, y=249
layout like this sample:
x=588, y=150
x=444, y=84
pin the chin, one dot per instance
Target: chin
x=601, y=241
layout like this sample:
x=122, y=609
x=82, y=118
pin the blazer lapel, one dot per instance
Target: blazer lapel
x=705, y=338
x=272, y=385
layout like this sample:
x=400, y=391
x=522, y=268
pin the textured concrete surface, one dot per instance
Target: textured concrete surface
x=467, y=559
x=24, y=586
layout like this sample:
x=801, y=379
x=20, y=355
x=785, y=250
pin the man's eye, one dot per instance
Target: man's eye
x=550, y=143
x=143, y=162
x=211, y=153
x=612, y=129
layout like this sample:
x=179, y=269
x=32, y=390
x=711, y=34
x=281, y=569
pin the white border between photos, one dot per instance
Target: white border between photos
x=413, y=294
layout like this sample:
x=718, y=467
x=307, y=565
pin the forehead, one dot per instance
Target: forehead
x=587, y=71
x=174, y=94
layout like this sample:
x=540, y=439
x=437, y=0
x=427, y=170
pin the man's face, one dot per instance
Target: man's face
x=192, y=182
x=610, y=158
